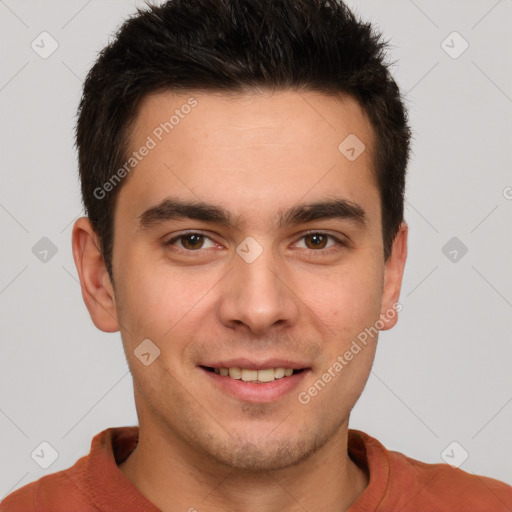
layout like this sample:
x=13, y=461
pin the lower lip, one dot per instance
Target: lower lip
x=254, y=392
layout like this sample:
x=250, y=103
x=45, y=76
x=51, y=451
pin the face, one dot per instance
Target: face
x=246, y=241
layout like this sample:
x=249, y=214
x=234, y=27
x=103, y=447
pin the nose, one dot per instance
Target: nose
x=257, y=296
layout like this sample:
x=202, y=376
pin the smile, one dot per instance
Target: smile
x=255, y=382
x=261, y=376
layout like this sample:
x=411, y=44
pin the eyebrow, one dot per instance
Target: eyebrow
x=173, y=208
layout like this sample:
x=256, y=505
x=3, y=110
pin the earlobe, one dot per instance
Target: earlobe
x=97, y=290
x=393, y=274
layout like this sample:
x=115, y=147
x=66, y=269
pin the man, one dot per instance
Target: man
x=243, y=168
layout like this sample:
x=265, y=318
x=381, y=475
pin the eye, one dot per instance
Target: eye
x=190, y=241
x=317, y=240
x=193, y=241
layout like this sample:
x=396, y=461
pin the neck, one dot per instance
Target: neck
x=174, y=476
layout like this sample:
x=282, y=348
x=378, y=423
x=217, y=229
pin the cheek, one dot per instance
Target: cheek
x=156, y=298
x=346, y=299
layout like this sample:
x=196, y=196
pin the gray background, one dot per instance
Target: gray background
x=441, y=375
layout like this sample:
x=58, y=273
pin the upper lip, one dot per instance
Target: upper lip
x=253, y=364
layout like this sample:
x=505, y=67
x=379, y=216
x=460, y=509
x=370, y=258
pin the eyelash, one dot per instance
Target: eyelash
x=339, y=243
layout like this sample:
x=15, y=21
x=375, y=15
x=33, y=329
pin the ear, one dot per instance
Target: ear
x=97, y=290
x=393, y=274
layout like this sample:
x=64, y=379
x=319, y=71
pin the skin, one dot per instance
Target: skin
x=254, y=154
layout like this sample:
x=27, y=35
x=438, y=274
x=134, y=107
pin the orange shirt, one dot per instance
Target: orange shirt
x=397, y=483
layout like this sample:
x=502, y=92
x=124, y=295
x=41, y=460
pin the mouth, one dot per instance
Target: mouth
x=260, y=376
x=252, y=382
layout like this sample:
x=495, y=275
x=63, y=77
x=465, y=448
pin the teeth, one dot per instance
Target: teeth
x=235, y=373
x=279, y=373
x=266, y=375
x=249, y=375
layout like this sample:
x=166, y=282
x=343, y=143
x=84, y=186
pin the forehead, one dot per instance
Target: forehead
x=235, y=119
x=247, y=151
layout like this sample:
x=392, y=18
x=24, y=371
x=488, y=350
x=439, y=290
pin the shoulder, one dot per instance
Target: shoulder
x=410, y=485
x=54, y=491
x=444, y=486
x=82, y=486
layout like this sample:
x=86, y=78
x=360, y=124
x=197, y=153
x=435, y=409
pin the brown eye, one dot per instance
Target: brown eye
x=317, y=241
x=320, y=243
x=192, y=241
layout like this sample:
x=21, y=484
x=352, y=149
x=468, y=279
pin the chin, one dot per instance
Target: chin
x=264, y=454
